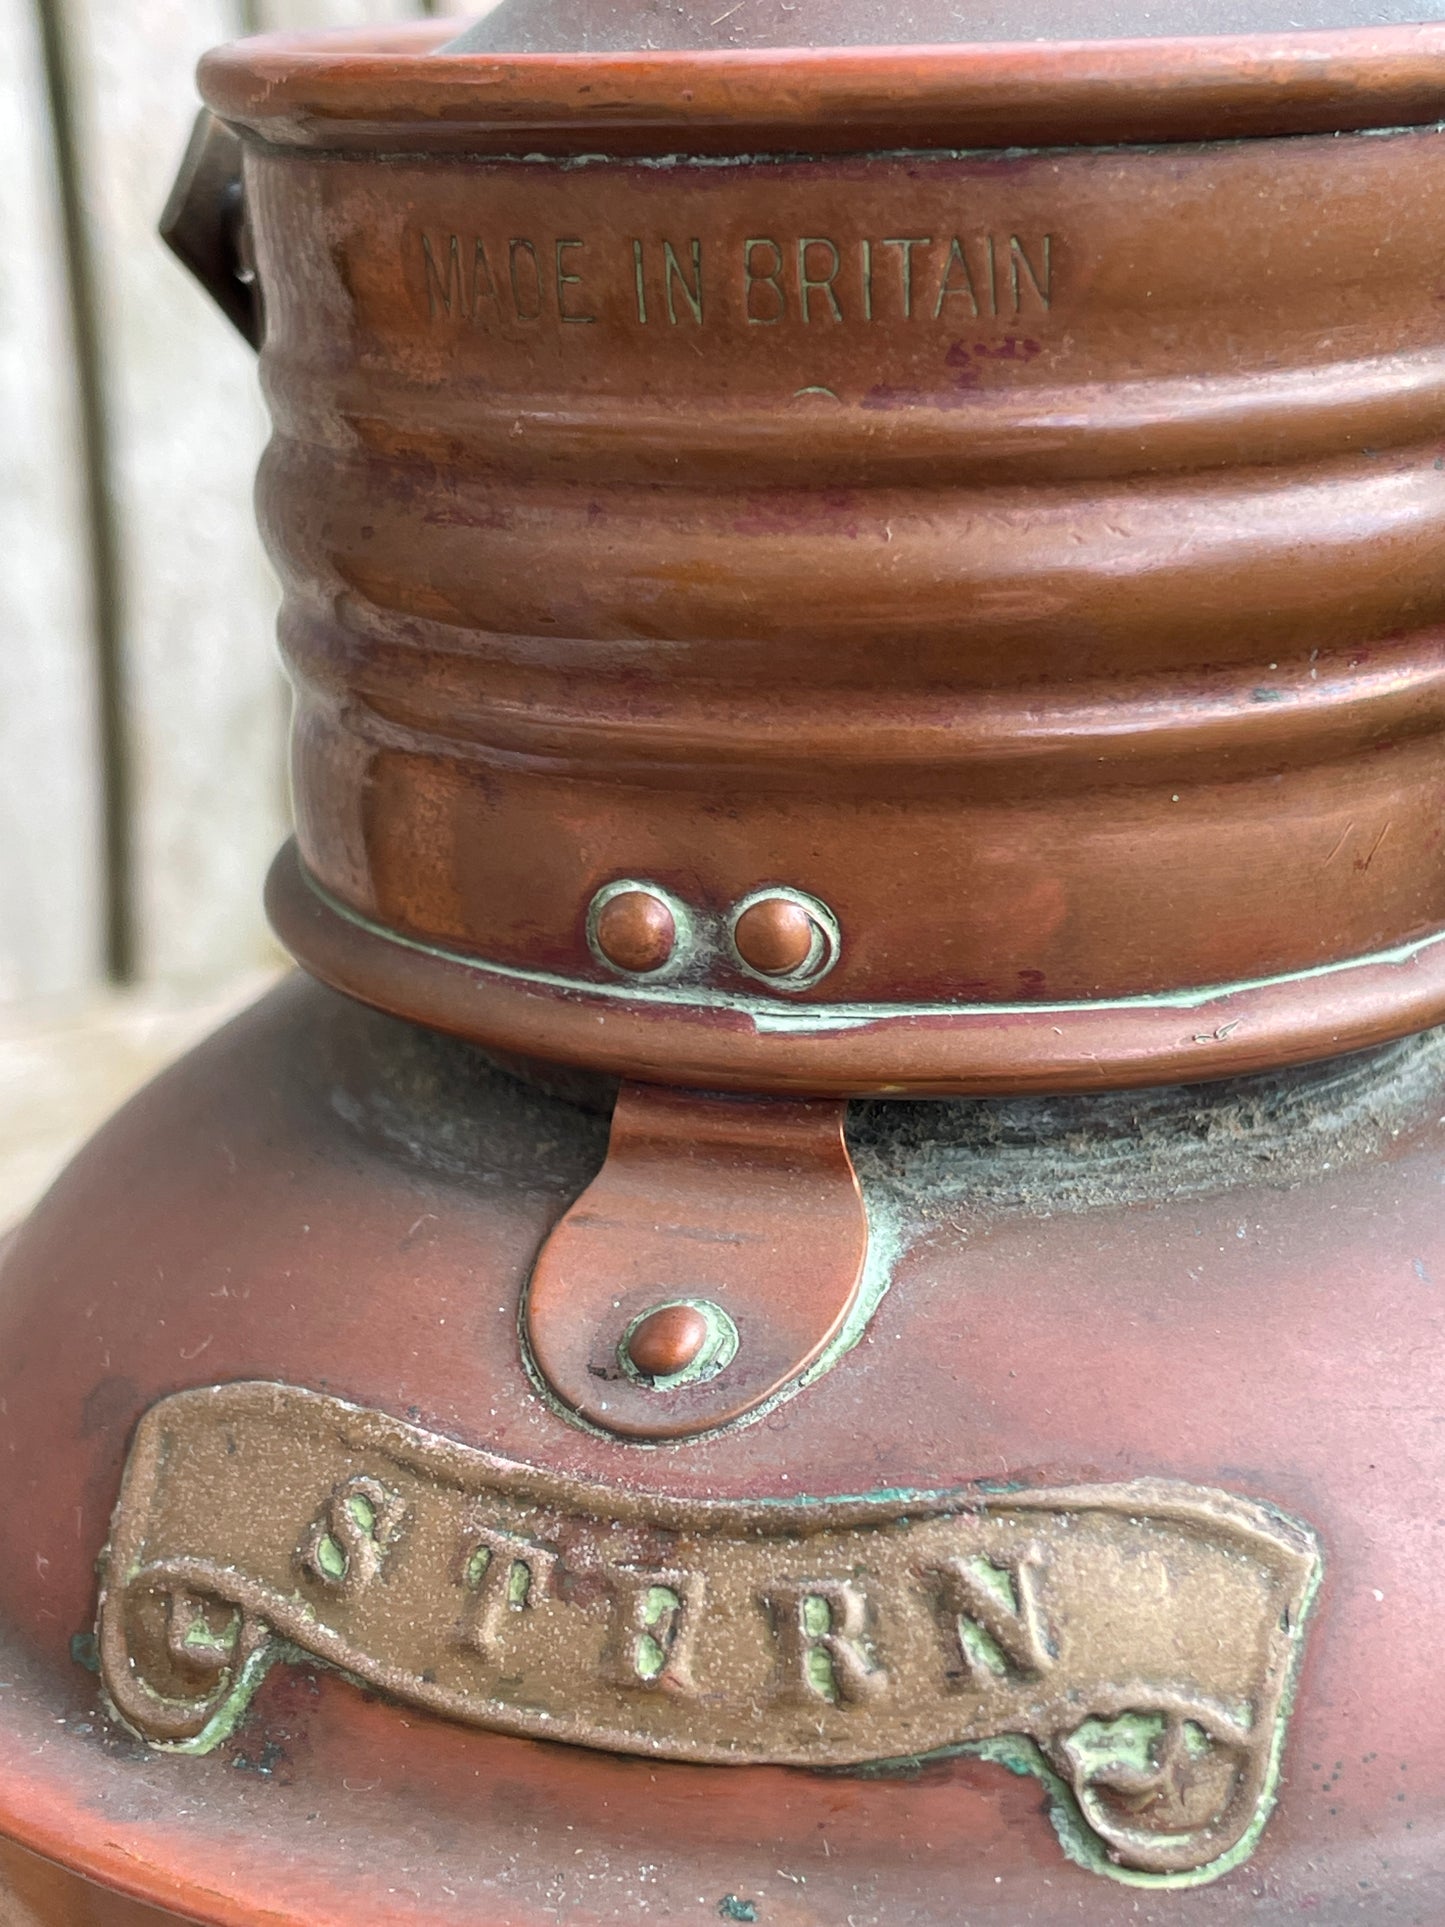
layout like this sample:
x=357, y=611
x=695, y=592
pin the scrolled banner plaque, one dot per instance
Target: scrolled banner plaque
x=1133, y=1645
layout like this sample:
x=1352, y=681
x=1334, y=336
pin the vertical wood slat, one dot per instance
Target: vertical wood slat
x=203, y=710
x=51, y=886
x=201, y=718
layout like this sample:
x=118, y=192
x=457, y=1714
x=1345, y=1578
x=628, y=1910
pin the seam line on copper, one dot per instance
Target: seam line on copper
x=799, y=1017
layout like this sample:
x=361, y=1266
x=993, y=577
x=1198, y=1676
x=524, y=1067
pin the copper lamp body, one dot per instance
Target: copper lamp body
x=824, y=1304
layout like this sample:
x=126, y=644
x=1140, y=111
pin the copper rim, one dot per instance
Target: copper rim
x=361, y=90
x=853, y=1050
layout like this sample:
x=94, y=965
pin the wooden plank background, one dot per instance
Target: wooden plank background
x=50, y=793
x=142, y=708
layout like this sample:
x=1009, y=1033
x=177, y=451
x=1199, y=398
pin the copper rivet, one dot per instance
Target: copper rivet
x=776, y=936
x=667, y=1341
x=636, y=931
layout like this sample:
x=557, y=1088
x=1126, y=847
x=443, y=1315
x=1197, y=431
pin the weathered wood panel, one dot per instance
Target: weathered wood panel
x=51, y=889
x=198, y=732
x=174, y=432
x=203, y=707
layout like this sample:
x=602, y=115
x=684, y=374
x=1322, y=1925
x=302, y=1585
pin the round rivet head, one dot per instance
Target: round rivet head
x=667, y=1341
x=636, y=931
x=785, y=938
x=776, y=936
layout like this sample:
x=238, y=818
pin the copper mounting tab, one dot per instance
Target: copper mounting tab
x=745, y=1210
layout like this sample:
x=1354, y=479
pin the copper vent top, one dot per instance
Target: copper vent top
x=682, y=26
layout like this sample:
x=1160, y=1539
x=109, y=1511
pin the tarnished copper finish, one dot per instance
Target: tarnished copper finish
x=744, y=1043
x=1017, y=552
x=746, y=1208
x=819, y=572
x=1084, y=1293
x=351, y=93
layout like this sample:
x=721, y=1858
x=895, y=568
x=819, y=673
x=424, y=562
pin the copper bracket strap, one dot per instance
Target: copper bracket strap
x=737, y=1221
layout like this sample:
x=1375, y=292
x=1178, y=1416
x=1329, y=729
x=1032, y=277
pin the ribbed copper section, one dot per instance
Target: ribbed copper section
x=1028, y=562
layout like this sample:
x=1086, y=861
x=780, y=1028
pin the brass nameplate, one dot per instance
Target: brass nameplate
x=1133, y=1645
